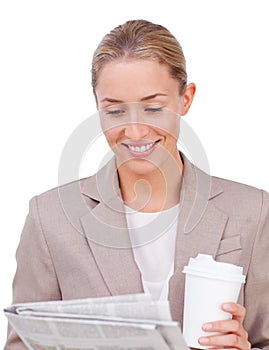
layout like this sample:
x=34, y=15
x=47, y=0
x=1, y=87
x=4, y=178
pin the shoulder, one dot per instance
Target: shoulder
x=238, y=189
x=83, y=194
x=240, y=198
x=53, y=195
x=62, y=205
x=83, y=189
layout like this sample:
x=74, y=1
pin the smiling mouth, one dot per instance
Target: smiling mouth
x=141, y=150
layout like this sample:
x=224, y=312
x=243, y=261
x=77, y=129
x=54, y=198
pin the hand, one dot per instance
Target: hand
x=236, y=336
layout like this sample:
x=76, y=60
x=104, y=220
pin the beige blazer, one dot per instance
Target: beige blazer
x=60, y=255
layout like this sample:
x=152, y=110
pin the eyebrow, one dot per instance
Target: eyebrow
x=150, y=97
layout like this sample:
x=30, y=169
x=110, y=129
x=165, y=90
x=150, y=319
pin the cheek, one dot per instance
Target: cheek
x=169, y=126
x=111, y=135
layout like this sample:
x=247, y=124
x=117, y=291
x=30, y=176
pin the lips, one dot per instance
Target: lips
x=141, y=150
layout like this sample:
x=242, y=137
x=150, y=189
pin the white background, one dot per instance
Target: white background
x=46, y=50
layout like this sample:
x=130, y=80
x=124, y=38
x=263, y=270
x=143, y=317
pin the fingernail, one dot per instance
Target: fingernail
x=203, y=340
x=227, y=306
x=207, y=326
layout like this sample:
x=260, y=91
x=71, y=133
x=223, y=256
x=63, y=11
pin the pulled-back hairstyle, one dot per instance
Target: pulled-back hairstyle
x=141, y=39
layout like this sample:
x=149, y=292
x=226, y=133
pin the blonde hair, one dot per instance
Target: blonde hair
x=141, y=39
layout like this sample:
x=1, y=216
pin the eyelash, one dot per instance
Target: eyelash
x=152, y=109
x=149, y=109
x=115, y=112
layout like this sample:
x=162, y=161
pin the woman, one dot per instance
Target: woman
x=140, y=84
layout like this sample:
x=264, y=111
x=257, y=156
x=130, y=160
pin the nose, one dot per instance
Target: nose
x=136, y=130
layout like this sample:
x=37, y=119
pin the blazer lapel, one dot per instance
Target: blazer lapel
x=106, y=230
x=202, y=235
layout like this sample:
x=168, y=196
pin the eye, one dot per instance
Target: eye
x=153, y=109
x=114, y=112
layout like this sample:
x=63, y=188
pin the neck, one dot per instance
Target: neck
x=154, y=191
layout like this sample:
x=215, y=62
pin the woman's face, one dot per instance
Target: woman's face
x=140, y=109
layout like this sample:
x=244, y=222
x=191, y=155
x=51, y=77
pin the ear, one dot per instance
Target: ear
x=187, y=98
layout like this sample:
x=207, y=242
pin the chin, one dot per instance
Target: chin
x=140, y=166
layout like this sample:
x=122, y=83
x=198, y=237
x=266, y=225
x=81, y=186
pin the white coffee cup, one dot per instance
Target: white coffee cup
x=208, y=284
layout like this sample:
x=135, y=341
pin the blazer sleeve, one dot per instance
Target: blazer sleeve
x=35, y=278
x=257, y=286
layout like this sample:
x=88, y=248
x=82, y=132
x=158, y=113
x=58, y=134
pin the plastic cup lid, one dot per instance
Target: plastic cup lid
x=205, y=266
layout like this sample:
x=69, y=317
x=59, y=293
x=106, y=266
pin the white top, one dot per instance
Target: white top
x=153, y=238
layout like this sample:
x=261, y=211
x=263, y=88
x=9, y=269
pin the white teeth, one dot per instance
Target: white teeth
x=143, y=148
x=140, y=149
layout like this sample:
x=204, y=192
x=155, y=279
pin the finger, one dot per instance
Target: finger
x=238, y=311
x=226, y=326
x=227, y=340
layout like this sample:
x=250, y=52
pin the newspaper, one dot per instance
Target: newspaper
x=125, y=322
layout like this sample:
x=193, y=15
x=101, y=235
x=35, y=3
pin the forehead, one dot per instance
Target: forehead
x=133, y=79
